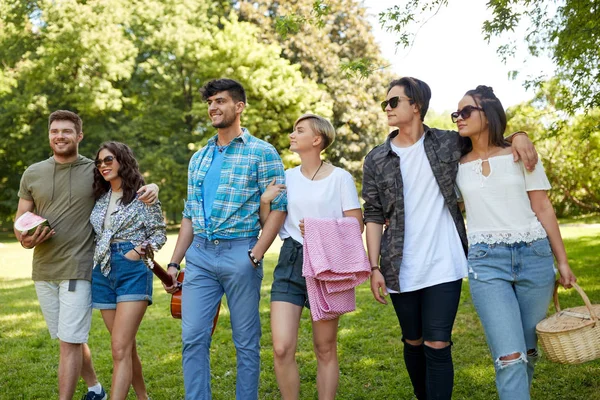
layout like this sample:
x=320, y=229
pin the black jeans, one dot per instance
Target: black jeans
x=429, y=314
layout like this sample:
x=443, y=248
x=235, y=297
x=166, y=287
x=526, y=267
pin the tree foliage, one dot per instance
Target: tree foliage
x=569, y=147
x=323, y=37
x=132, y=70
x=568, y=31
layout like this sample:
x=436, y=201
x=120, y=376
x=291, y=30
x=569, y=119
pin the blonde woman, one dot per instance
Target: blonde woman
x=314, y=189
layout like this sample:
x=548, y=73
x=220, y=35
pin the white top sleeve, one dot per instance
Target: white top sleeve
x=536, y=179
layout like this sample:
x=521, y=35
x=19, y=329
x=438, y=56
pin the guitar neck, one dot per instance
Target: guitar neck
x=161, y=274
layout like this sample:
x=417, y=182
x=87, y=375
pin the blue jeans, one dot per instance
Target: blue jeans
x=511, y=286
x=214, y=268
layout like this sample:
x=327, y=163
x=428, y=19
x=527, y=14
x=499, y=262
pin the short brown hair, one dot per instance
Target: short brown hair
x=66, y=115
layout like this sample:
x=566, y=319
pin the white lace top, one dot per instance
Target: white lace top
x=497, y=205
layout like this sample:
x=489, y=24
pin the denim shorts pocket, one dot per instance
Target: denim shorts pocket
x=541, y=247
x=136, y=259
x=478, y=251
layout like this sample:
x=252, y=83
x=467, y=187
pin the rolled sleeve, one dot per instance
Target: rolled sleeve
x=271, y=168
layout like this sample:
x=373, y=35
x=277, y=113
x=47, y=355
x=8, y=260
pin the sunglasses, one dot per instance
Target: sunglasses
x=464, y=113
x=393, y=102
x=108, y=160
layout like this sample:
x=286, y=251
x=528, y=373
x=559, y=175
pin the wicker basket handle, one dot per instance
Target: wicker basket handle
x=586, y=300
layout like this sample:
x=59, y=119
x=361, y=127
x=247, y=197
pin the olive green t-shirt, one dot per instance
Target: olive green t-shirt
x=62, y=193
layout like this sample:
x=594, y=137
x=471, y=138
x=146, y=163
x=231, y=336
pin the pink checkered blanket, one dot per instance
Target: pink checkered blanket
x=335, y=262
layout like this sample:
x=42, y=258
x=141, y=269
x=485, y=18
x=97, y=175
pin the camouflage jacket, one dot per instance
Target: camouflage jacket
x=384, y=199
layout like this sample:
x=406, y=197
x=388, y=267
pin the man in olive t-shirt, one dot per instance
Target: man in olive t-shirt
x=60, y=190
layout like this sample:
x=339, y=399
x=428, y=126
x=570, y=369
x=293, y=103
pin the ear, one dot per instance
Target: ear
x=318, y=141
x=79, y=137
x=239, y=107
x=416, y=109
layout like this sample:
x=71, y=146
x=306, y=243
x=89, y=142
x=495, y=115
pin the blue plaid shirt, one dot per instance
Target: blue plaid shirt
x=249, y=165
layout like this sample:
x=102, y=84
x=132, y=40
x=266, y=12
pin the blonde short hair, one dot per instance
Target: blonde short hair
x=321, y=126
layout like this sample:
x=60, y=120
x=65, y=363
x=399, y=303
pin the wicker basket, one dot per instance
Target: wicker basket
x=571, y=336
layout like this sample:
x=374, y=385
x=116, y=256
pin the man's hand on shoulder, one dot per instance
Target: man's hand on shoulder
x=523, y=149
x=148, y=194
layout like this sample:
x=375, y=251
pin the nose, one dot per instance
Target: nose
x=292, y=133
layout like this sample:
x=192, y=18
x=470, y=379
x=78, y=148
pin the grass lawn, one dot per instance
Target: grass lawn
x=370, y=350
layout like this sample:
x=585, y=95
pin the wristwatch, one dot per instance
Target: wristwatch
x=174, y=265
x=374, y=267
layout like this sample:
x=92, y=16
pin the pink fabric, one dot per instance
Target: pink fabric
x=335, y=263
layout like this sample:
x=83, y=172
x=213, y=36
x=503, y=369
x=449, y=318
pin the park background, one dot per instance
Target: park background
x=132, y=70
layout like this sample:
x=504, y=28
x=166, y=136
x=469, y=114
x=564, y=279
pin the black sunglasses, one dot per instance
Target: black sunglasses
x=464, y=113
x=108, y=160
x=393, y=102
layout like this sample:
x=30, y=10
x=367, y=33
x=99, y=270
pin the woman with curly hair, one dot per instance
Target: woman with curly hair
x=513, y=239
x=121, y=283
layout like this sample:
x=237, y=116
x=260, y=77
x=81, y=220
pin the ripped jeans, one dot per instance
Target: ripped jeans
x=511, y=286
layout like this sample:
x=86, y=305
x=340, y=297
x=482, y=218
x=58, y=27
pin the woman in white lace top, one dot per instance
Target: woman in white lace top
x=513, y=234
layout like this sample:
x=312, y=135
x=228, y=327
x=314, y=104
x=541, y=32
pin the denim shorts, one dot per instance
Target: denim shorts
x=128, y=280
x=288, y=283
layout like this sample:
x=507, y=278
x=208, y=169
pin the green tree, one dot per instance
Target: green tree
x=132, y=70
x=340, y=34
x=567, y=31
x=569, y=147
x=51, y=61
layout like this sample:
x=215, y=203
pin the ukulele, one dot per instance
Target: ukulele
x=148, y=258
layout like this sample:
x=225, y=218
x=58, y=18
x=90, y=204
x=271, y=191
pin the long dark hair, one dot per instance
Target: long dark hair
x=129, y=172
x=485, y=98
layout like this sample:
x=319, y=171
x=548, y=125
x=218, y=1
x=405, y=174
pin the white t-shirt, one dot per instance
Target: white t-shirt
x=325, y=198
x=433, y=252
x=498, y=207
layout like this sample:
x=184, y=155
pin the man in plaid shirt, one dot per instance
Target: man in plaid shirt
x=219, y=239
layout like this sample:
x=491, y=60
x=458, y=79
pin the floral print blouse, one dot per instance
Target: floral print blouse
x=136, y=222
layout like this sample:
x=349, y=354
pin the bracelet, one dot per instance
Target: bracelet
x=374, y=267
x=174, y=265
x=254, y=260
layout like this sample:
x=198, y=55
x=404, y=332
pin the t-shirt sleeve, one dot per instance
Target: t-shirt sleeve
x=24, y=191
x=348, y=193
x=536, y=179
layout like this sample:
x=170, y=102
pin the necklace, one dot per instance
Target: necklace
x=318, y=169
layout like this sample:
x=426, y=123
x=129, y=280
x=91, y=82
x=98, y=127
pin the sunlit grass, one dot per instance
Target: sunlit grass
x=370, y=350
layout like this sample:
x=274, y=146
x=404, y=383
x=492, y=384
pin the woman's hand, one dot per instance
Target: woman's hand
x=134, y=254
x=272, y=191
x=301, y=226
x=567, y=277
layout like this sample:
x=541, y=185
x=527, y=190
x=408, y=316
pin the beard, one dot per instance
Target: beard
x=67, y=152
x=226, y=122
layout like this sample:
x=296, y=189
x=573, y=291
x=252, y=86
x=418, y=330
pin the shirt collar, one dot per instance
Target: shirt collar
x=244, y=137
